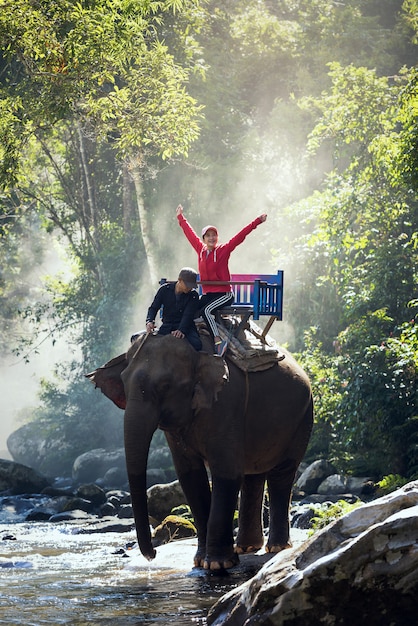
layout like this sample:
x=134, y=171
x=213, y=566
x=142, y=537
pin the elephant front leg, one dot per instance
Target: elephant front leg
x=196, y=488
x=220, y=552
x=193, y=477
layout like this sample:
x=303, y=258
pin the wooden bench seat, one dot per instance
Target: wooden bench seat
x=255, y=295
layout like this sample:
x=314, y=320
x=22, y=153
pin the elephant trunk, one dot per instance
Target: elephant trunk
x=139, y=429
x=137, y=485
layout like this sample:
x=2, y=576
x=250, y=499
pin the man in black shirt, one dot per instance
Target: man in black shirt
x=179, y=302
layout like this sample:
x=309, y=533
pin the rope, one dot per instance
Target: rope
x=145, y=337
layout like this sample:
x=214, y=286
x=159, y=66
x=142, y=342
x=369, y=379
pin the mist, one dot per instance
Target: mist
x=20, y=380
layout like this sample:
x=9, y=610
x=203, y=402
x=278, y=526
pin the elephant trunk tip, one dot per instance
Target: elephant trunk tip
x=151, y=555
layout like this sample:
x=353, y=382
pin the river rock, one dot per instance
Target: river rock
x=95, y=494
x=75, y=515
x=18, y=479
x=334, y=484
x=173, y=527
x=339, y=484
x=41, y=448
x=160, y=458
x=310, y=479
x=163, y=498
x=93, y=465
x=115, y=477
x=362, y=569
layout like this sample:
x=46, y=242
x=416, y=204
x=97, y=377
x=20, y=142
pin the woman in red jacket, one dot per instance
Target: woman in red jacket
x=213, y=266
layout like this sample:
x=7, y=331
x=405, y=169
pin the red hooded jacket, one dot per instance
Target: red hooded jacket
x=214, y=265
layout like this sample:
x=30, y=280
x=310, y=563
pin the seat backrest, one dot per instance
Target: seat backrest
x=244, y=291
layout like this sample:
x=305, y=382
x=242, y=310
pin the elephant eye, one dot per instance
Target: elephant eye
x=164, y=385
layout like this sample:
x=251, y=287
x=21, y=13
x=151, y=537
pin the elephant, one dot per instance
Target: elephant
x=230, y=432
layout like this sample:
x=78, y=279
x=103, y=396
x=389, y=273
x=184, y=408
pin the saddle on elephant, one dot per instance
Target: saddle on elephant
x=249, y=349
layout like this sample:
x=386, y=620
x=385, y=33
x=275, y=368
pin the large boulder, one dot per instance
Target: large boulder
x=16, y=478
x=37, y=447
x=94, y=465
x=310, y=479
x=362, y=569
x=162, y=499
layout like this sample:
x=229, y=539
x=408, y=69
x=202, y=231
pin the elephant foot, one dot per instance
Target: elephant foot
x=217, y=562
x=278, y=547
x=247, y=549
x=199, y=558
x=216, y=565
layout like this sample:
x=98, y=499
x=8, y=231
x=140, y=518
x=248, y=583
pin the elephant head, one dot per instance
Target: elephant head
x=165, y=384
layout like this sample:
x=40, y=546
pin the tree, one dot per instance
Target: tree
x=91, y=98
x=102, y=69
x=365, y=233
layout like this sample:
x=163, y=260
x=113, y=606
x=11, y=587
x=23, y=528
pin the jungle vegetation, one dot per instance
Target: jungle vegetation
x=114, y=111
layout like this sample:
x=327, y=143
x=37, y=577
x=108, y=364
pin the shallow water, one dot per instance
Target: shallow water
x=50, y=574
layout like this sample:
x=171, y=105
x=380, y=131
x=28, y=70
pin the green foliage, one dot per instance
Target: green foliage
x=390, y=483
x=183, y=511
x=102, y=63
x=324, y=517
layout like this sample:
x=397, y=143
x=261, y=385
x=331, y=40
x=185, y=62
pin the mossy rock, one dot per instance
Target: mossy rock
x=172, y=528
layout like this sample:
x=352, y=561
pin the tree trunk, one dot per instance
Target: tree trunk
x=127, y=200
x=135, y=171
x=87, y=181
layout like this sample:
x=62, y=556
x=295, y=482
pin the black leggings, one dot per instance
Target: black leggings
x=211, y=302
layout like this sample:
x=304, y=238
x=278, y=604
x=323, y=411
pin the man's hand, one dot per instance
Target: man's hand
x=150, y=327
x=263, y=217
x=178, y=334
x=179, y=210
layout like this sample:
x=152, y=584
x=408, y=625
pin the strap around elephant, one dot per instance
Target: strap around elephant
x=141, y=340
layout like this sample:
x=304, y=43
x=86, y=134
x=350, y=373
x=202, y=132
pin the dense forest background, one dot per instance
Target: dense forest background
x=114, y=111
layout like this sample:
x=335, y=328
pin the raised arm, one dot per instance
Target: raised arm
x=191, y=235
x=239, y=237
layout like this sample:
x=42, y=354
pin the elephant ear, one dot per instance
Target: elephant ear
x=107, y=379
x=211, y=375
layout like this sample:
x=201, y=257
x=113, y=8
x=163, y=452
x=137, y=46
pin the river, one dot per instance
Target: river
x=51, y=574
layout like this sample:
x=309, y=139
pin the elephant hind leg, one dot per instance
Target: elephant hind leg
x=280, y=482
x=250, y=525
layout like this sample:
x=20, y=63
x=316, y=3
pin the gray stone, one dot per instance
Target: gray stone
x=156, y=477
x=108, y=509
x=362, y=569
x=109, y=525
x=93, y=493
x=125, y=511
x=49, y=507
x=71, y=516
x=78, y=504
x=92, y=465
x=309, y=481
x=163, y=498
x=361, y=485
x=334, y=484
x=17, y=479
x=38, y=515
x=47, y=452
x=115, y=477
